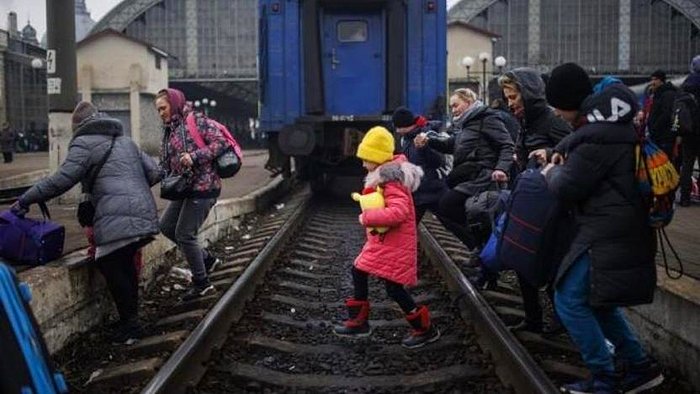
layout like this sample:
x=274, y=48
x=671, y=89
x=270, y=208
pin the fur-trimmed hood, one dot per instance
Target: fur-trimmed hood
x=399, y=169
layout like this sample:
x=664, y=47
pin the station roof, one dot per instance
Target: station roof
x=112, y=32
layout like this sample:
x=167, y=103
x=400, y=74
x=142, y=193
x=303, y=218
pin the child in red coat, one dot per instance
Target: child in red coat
x=391, y=255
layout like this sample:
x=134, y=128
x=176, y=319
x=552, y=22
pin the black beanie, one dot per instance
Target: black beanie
x=659, y=74
x=568, y=86
x=403, y=117
x=83, y=111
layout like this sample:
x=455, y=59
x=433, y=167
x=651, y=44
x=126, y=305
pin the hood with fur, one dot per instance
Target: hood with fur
x=399, y=169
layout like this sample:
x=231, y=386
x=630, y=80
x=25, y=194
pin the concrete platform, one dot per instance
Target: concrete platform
x=670, y=327
x=23, y=163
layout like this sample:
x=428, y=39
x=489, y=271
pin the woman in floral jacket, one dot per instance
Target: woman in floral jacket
x=183, y=218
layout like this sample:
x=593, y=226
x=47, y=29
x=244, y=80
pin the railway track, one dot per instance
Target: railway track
x=269, y=329
x=281, y=340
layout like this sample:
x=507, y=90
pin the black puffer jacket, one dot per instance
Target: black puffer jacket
x=481, y=146
x=433, y=163
x=541, y=128
x=660, y=117
x=692, y=86
x=611, y=223
x=124, y=204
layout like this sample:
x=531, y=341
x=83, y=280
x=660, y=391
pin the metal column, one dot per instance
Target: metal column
x=60, y=56
x=625, y=26
x=61, y=70
x=533, y=33
x=192, y=34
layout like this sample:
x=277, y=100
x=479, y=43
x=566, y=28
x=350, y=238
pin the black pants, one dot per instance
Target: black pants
x=531, y=301
x=7, y=156
x=691, y=153
x=452, y=215
x=119, y=271
x=396, y=291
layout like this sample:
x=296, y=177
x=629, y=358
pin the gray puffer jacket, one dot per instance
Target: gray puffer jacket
x=124, y=204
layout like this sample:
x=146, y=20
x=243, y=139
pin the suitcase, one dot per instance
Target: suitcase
x=25, y=364
x=528, y=243
x=29, y=241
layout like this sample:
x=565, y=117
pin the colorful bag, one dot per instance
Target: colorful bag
x=229, y=162
x=657, y=180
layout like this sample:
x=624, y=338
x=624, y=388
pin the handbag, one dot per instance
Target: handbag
x=86, y=209
x=175, y=187
x=228, y=163
x=30, y=241
x=482, y=210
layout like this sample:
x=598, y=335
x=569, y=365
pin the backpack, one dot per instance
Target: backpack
x=529, y=237
x=231, y=160
x=685, y=115
x=657, y=180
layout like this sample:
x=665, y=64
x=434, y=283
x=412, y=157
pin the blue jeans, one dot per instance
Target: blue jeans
x=180, y=223
x=588, y=326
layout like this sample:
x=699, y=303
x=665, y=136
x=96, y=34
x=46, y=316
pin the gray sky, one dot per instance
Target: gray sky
x=35, y=10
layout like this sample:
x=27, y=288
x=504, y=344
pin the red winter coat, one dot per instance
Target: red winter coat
x=392, y=255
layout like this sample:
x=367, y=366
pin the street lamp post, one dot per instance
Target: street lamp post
x=484, y=57
x=35, y=63
x=205, y=103
x=468, y=62
x=500, y=62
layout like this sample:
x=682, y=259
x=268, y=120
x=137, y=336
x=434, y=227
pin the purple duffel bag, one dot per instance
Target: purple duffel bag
x=30, y=241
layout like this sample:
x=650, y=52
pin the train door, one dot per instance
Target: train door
x=353, y=62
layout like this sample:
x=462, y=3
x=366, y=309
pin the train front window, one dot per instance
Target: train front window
x=352, y=31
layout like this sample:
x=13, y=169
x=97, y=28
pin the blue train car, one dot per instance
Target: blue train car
x=330, y=69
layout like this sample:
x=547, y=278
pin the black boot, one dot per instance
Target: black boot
x=423, y=332
x=356, y=326
x=485, y=280
x=127, y=331
x=525, y=325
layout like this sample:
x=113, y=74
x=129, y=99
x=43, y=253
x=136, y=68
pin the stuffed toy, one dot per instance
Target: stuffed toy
x=371, y=200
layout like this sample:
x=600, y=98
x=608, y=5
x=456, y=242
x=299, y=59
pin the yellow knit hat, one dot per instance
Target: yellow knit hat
x=377, y=146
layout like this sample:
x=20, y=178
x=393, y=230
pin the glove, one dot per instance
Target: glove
x=19, y=208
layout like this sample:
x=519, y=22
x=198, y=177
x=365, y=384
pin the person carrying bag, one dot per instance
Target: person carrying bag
x=193, y=183
x=125, y=216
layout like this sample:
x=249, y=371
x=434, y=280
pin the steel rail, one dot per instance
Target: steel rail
x=513, y=363
x=186, y=365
